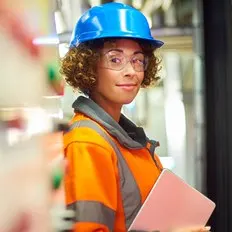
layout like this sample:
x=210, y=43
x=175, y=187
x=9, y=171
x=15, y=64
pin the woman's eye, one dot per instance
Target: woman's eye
x=115, y=60
x=138, y=61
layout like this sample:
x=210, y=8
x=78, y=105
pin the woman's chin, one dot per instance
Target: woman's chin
x=127, y=101
x=123, y=100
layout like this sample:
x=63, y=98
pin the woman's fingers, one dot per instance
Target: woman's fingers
x=204, y=229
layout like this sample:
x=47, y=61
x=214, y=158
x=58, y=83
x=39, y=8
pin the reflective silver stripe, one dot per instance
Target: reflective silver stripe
x=129, y=189
x=93, y=211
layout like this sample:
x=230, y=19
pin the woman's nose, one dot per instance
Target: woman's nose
x=129, y=69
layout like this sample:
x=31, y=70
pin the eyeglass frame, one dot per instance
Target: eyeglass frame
x=127, y=59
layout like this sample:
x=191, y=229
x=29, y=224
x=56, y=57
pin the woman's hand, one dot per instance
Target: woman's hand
x=204, y=229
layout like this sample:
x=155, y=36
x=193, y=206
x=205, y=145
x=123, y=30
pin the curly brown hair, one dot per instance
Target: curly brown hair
x=79, y=65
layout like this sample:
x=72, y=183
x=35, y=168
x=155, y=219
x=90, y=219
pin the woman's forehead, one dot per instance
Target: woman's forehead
x=122, y=44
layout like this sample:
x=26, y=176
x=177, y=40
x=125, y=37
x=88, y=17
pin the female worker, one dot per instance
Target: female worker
x=112, y=164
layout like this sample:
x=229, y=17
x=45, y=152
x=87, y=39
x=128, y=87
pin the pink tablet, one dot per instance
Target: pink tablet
x=172, y=203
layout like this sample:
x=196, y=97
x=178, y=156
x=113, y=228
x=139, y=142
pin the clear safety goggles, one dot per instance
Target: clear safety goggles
x=117, y=60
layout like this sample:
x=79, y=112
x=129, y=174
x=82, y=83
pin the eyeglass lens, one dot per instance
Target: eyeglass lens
x=116, y=60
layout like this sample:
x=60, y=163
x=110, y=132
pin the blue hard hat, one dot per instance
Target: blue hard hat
x=112, y=20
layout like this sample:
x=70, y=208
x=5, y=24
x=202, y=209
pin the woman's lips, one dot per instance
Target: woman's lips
x=127, y=87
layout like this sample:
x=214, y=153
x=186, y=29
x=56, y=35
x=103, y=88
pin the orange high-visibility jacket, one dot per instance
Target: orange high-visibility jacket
x=111, y=169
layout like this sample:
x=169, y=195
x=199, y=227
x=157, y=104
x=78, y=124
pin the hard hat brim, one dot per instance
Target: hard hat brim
x=90, y=37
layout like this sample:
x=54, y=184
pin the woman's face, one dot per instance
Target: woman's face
x=120, y=72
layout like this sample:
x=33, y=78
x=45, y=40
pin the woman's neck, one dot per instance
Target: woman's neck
x=113, y=109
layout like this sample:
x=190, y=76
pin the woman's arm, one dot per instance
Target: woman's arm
x=91, y=187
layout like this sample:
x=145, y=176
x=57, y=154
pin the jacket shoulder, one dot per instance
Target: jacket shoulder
x=84, y=134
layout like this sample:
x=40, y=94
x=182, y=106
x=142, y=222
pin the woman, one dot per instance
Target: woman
x=112, y=163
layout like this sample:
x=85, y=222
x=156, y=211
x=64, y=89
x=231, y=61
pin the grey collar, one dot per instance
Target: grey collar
x=126, y=132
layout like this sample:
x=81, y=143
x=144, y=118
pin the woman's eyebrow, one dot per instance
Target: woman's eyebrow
x=120, y=50
x=115, y=49
x=138, y=52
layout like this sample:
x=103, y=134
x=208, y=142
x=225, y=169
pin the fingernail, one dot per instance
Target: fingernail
x=208, y=227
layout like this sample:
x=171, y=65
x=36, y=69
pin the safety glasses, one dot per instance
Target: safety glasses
x=117, y=60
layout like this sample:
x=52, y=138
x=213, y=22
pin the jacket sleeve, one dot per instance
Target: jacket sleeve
x=91, y=187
